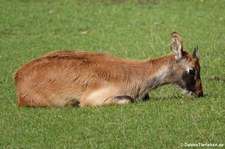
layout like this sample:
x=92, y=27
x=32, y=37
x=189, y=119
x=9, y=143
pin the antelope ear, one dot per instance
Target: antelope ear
x=195, y=52
x=176, y=45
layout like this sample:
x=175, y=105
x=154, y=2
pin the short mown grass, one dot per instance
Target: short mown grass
x=129, y=29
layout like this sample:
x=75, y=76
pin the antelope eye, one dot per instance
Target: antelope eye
x=191, y=72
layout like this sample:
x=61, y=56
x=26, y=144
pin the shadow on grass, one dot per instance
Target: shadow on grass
x=125, y=1
x=166, y=97
x=178, y=97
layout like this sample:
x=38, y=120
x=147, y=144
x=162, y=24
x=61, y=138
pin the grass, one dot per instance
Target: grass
x=129, y=29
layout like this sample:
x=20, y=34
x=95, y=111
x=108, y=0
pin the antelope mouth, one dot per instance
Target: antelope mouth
x=188, y=93
x=192, y=94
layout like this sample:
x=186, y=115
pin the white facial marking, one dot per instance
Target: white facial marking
x=186, y=65
x=188, y=69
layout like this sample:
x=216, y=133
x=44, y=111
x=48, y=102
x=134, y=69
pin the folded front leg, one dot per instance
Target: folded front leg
x=123, y=99
x=112, y=100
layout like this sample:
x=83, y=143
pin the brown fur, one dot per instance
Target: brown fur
x=78, y=78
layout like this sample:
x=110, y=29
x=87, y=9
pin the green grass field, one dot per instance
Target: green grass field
x=129, y=29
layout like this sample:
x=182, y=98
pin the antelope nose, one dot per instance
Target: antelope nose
x=200, y=94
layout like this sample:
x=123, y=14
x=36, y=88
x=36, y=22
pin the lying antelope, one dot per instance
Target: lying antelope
x=77, y=78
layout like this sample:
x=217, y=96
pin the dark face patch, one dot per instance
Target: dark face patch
x=188, y=79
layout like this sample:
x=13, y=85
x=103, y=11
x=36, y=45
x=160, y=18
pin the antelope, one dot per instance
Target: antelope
x=79, y=78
